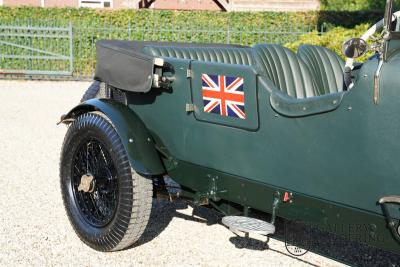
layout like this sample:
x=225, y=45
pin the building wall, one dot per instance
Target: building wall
x=21, y=2
x=186, y=4
x=58, y=3
x=64, y=3
x=125, y=4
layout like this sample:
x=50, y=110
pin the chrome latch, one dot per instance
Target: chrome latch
x=376, y=82
x=159, y=62
x=161, y=81
x=189, y=73
x=189, y=107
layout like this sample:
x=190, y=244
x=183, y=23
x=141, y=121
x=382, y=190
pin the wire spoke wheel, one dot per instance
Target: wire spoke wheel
x=107, y=202
x=98, y=205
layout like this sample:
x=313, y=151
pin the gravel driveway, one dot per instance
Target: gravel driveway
x=34, y=229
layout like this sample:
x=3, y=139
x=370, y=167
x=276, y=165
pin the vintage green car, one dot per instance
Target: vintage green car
x=303, y=136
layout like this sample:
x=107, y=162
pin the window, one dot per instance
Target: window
x=96, y=3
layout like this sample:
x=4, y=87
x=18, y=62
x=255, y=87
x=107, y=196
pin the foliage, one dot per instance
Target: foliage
x=348, y=19
x=352, y=5
x=244, y=28
x=159, y=18
x=91, y=25
x=333, y=39
x=271, y=21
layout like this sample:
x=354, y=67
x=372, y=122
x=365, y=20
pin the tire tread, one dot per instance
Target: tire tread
x=132, y=218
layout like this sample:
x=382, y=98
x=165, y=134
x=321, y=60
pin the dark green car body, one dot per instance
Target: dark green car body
x=334, y=154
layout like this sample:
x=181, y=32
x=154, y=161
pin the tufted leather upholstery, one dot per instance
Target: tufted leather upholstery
x=326, y=67
x=320, y=73
x=285, y=70
x=228, y=55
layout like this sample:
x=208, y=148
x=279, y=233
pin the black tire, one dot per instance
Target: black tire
x=96, y=90
x=114, y=213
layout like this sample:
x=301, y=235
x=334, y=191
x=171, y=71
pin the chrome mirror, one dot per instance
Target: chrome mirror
x=354, y=48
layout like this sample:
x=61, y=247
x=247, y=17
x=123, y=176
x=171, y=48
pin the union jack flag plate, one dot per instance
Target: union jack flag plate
x=223, y=95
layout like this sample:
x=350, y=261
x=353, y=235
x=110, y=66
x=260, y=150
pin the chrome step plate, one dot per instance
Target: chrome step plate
x=248, y=225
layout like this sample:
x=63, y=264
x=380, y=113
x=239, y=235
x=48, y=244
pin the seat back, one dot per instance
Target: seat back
x=285, y=70
x=228, y=55
x=326, y=67
x=314, y=71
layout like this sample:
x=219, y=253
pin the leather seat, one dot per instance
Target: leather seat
x=284, y=68
x=228, y=55
x=326, y=67
x=289, y=73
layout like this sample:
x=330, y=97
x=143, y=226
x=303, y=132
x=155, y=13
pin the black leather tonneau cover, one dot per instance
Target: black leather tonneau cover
x=122, y=64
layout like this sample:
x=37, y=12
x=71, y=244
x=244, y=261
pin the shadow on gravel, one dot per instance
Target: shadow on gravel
x=335, y=247
x=164, y=211
x=248, y=243
x=314, y=240
x=323, y=243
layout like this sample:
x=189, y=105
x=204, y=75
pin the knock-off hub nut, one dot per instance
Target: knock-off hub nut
x=87, y=183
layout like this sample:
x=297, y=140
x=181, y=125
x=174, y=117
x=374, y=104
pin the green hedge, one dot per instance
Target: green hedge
x=244, y=28
x=333, y=39
x=166, y=18
x=161, y=18
x=351, y=5
x=348, y=19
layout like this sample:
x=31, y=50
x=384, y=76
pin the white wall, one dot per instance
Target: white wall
x=94, y=3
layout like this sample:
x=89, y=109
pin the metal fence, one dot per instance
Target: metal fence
x=31, y=49
x=51, y=48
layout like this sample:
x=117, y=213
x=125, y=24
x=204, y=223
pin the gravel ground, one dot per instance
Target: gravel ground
x=34, y=229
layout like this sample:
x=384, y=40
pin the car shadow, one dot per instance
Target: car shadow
x=163, y=211
x=313, y=240
x=333, y=246
x=320, y=242
x=242, y=242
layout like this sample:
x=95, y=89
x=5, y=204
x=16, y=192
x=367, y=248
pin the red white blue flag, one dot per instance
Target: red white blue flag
x=223, y=95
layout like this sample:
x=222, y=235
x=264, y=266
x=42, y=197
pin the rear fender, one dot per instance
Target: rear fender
x=134, y=135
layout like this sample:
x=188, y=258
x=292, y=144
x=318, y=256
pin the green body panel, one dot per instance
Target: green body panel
x=343, y=152
x=291, y=107
x=249, y=76
x=333, y=156
x=354, y=224
x=134, y=135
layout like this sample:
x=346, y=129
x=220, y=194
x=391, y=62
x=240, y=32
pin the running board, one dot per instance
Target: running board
x=248, y=225
x=251, y=225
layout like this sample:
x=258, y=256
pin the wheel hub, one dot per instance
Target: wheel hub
x=95, y=183
x=87, y=183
